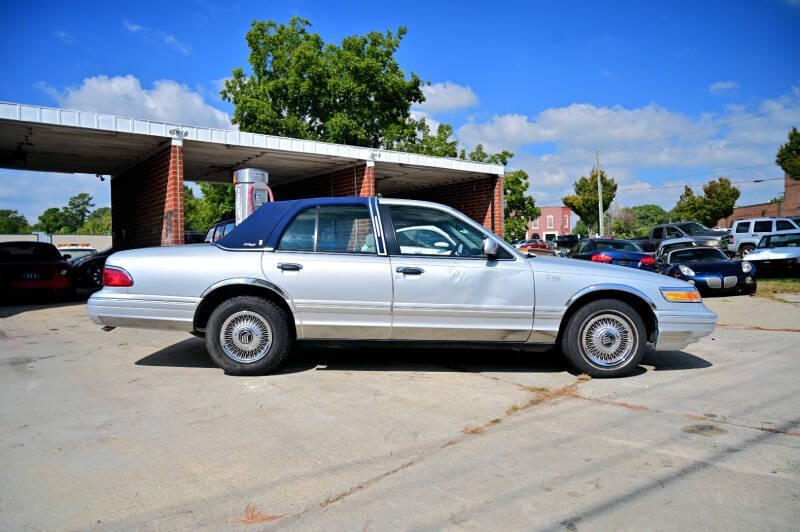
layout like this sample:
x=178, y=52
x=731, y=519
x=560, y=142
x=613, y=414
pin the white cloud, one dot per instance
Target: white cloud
x=167, y=101
x=722, y=86
x=446, y=96
x=185, y=49
x=644, y=148
x=131, y=26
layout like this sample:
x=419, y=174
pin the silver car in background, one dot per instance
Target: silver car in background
x=777, y=254
x=390, y=270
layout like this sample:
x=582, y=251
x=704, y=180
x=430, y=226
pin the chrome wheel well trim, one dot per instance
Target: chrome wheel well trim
x=248, y=281
x=613, y=287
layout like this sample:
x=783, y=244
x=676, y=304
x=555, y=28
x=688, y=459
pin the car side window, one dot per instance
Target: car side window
x=658, y=233
x=742, y=227
x=299, y=236
x=210, y=235
x=435, y=233
x=228, y=228
x=673, y=233
x=764, y=226
x=331, y=229
x=783, y=225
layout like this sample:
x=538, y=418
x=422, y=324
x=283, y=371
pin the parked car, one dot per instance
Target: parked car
x=613, y=251
x=525, y=241
x=566, y=241
x=697, y=232
x=668, y=245
x=532, y=245
x=711, y=271
x=298, y=270
x=34, y=267
x=220, y=229
x=71, y=252
x=746, y=234
x=777, y=254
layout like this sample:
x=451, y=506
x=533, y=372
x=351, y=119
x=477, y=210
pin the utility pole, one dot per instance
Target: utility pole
x=599, y=192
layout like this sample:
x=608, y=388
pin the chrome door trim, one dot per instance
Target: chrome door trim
x=609, y=286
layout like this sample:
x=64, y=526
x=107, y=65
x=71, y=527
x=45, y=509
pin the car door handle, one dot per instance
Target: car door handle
x=410, y=270
x=289, y=266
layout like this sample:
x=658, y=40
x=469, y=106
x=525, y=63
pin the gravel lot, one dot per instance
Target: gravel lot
x=136, y=429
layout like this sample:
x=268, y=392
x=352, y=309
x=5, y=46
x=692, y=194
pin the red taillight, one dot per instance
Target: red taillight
x=648, y=261
x=601, y=257
x=116, y=277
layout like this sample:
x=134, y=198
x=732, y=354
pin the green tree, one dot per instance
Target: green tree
x=354, y=93
x=788, y=156
x=76, y=211
x=636, y=221
x=519, y=207
x=580, y=229
x=479, y=155
x=51, y=221
x=12, y=222
x=420, y=140
x=98, y=222
x=584, y=201
x=717, y=201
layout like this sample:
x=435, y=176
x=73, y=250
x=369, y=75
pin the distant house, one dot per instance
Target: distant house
x=554, y=221
x=790, y=206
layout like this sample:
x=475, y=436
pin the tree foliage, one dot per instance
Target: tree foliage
x=420, y=140
x=632, y=222
x=519, y=207
x=98, y=222
x=76, y=217
x=717, y=201
x=584, y=201
x=354, y=93
x=788, y=156
x=12, y=222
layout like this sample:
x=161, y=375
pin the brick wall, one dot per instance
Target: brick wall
x=147, y=202
x=480, y=199
x=354, y=181
x=789, y=207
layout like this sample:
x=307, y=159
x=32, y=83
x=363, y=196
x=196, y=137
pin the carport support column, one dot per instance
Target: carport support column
x=367, y=188
x=172, y=226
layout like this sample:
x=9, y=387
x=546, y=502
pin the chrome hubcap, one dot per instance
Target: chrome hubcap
x=246, y=337
x=608, y=339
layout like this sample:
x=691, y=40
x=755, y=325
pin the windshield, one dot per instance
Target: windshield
x=616, y=245
x=693, y=228
x=696, y=255
x=789, y=240
x=28, y=252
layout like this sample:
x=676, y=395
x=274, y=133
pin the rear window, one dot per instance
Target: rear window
x=764, y=226
x=616, y=245
x=28, y=252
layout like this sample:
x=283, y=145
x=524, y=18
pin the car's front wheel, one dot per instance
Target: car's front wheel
x=248, y=335
x=605, y=338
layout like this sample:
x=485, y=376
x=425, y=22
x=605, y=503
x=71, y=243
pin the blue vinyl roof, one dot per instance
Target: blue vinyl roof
x=264, y=227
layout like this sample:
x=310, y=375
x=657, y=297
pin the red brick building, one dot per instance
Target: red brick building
x=553, y=221
x=789, y=207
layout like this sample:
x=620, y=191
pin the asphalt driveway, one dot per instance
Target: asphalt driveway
x=137, y=429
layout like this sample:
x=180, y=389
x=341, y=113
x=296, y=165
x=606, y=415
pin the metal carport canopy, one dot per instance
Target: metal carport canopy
x=60, y=140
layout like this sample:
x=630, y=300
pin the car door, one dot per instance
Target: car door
x=327, y=261
x=446, y=289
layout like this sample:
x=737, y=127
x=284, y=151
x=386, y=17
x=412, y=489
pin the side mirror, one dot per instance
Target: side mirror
x=490, y=248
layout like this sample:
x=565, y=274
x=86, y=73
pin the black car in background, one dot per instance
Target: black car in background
x=711, y=271
x=566, y=241
x=34, y=268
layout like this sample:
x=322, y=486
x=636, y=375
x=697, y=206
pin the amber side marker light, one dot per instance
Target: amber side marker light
x=681, y=295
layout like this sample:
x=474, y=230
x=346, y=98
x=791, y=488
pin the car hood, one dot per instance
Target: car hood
x=584, y=267
x=774, y=254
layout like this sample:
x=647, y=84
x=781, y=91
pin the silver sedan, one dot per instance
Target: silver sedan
x=390, y=270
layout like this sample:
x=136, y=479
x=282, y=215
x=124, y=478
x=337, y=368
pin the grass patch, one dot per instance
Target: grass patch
x=770, y=288
x=473, y=430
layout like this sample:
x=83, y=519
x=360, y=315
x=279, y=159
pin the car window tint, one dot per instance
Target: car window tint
x=28, y=252
x=764, y=226
x=673, y=233
x=228, y=228
x=299, y=236
x=210, y=235
x=742, y=227
x=435, y=233
x=345, y=229
x=658, y=232
x=783, y=225
x=791, y=240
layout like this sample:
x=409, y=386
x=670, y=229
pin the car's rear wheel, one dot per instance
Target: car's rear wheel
x=94, y=275
x=248, y=335
x=746, y=250
x=605, y=338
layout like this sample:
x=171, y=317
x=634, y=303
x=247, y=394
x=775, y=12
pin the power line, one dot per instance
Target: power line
x=759, y=180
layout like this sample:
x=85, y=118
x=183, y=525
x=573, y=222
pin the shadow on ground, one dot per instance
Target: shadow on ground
x=191, y=353
x=13, y=304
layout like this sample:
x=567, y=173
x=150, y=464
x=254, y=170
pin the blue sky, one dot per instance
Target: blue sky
x=670, y=93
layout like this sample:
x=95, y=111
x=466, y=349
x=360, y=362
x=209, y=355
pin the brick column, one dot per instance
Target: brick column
x=172, y=225
x=147, y=201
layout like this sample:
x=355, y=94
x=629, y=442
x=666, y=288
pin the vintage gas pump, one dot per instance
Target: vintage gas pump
x=252, y=191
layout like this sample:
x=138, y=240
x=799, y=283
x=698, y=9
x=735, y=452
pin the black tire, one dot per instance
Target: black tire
x=577, y=351
x=273, y=315
x=746, y=249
